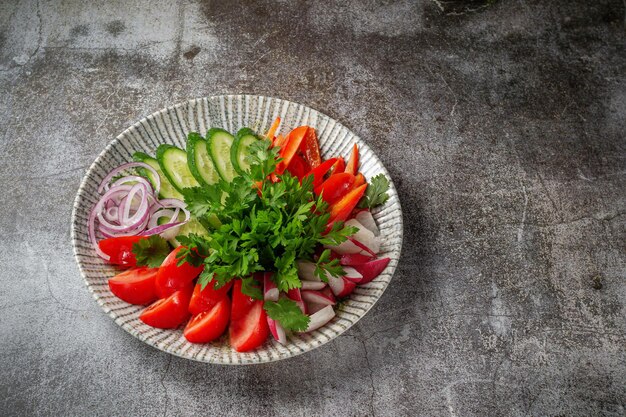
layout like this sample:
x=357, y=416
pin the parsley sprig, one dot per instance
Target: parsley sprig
x=266, y=225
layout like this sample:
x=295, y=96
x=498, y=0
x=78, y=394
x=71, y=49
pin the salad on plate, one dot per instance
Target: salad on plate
x=244, y=234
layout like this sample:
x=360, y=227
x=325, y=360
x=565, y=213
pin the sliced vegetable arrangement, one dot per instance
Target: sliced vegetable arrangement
x=254, y=234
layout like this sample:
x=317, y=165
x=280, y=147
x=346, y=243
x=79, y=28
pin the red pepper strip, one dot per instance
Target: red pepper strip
x=319, y=172
x=289, y=149
x=359, y=180
x=297, y=167
x=311, y=149
x=278, y=141
x=335, y=187
x=272, y=132
x=342, y=208
x=353, y=162
x=339, y=166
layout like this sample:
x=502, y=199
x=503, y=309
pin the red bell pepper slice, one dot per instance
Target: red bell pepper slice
x=339, y=166
x=335, y=187
x=359, y=180
x=272, y=131
x=298, y=167
x=311, y=149
x=341, y=209
x=353, y=163
x=319, y=172
x=291, y=146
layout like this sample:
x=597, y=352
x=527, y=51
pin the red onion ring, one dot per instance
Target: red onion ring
x=129, y=165
x=127, y=209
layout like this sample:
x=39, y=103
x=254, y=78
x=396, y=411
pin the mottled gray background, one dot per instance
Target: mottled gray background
x=503, y=129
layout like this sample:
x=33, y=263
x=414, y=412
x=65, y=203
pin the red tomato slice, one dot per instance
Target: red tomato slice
x=120, y=249
x=210, y=324
x=311, y=149
x=251, y=330
x=169, y=312
x=172, y=277
x=241, y=303
x=204, y=300
x=135, y=286
x=335, y=187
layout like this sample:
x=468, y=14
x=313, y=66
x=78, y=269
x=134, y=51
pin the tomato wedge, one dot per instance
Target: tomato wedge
x=341, y=209
x=311, y=149
x=172, y=277
x=169, y=312
x=135, y=286
x=249, y=331
x=120, y=249
x=335, y=187
x=319, y=172
x=290, y=147
x=241, y=303
x=210, y=324
x=248, y=321
x=205, y=299
x=353, y=163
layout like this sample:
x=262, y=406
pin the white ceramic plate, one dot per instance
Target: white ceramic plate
x=171, y=125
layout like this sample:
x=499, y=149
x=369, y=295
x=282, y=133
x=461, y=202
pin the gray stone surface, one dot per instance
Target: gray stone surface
x=503, y=129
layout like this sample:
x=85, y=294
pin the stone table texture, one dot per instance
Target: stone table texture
x=503, y=129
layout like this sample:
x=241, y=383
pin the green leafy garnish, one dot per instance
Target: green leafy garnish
x=288, y=314
x=325, y=265
x=251, y=288
x=265, y=225
x=376, y=192
x=151, y=252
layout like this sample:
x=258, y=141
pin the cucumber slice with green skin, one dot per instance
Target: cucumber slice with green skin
x=166, y=191
x=219, y=143
x=173, y=163
x=239, y=151
x=200, y=163
x=192, y=226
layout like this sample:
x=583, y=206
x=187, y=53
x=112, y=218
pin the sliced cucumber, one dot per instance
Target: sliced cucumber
x=219, y=143
x=167, y=191
x=192, y=226
x=239, y=151
x=173, y=163
x=199, y=161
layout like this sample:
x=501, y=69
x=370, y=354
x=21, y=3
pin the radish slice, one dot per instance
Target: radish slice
x=306, y=271
x=344, y=248
x=352, y=274
x=318, y=297
x=364, y=236
x=371, y=269
x=312, y=285
x=336, y=285
x=320, y=318
x=277, y=331
x=367, y=220
x=351, y=259
x=295, y=295
x=314, y=307
x=342, y=286
x=270, y=292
